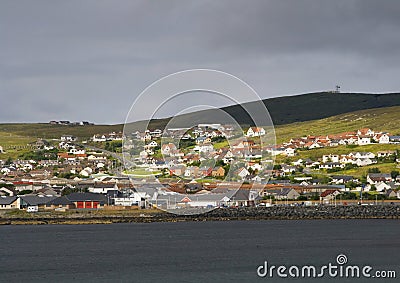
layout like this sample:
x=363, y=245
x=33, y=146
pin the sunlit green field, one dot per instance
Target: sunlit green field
x=14, y=145
x=379, y=119
x=139, y=172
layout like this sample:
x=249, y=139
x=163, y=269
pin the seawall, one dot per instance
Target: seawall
x=220, y=214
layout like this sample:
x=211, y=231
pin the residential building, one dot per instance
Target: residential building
x=255, y=132
x=9, y=202
x=374, y=178
x=218, y=171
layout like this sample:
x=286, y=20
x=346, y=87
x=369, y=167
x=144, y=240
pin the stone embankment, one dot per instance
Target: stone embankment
x=220, y=214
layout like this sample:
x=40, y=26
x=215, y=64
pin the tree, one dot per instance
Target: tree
x=8, y=161
x=394, y=174
x=351, y=185
x=348, y=195
x=227, y=168
x=302, y=198
x=374, y=170
x=25, y=192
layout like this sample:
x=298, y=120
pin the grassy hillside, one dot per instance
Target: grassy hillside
x=15, y=137
x=313, y=106
x=299, y=108
x=283, y=110
x=383, y=119
x=380, y=119
x=48, y=131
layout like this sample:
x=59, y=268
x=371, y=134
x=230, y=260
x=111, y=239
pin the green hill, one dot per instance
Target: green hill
x=47, y=131
x=283, y=110
x=291, y=109
x=313, y=106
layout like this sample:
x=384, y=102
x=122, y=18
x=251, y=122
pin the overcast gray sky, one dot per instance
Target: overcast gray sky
x=88, y=60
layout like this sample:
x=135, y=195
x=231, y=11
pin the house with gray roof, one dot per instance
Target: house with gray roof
x=34, y=201
x=342, y=179
x=281, y=194
x=60, y=203
x=87, y=200
x=374, y=178
x=287, y=193
x=9, y=202
x=391, y=194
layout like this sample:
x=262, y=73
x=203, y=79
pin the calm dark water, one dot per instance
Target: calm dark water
x=192, y=252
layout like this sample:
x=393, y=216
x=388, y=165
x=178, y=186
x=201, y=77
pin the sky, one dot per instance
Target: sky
x=89, y=60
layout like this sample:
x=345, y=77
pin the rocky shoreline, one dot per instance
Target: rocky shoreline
x=220, y=214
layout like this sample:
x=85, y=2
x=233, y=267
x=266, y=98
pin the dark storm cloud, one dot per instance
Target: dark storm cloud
x=88, y=60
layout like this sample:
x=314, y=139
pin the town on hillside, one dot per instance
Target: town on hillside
x=211, y=165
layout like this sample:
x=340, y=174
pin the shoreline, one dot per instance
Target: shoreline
x=220, y=214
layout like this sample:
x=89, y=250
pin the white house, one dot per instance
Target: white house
x=330, y=158
x=134, y=199
x=86, y=172
x=5, y=171
x=146, y=137
x=375, y=178
x=167, y=148
x=362, y=154
x=94, y=158
x=315, y=145
x=68, y=138
x=289, y=151
x=298, y=162
x=382, y=138
x=288, y=168
x=274, y=151
x=386, y=153
x=152, y=144
x=347, y=159
x=351, y=140
x=382, y=186
x=242, y=172
x=102, y=188
x=99, y=138
x=329, y=195
x=255, y=132
x=77, y=151
x=331, y=165
x=364, y=161
x=365, y=132
x=256, y=166
x=28, y=167
x=364, y=140
x=204, y=148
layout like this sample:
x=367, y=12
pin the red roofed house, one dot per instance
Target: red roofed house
x=365, y=132
x=329, y=195
x=255, y=132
